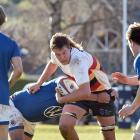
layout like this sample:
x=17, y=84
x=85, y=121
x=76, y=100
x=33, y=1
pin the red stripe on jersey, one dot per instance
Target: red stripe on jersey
x=95, y=65
x=70, y=77
x=93, y=87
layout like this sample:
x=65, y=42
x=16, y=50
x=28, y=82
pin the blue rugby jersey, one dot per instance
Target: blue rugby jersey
x=40, y=106
x=136, y=65
x=8, y=49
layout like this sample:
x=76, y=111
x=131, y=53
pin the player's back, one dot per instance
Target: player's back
x=35, y=107
x=6, y=52
x=8, y=49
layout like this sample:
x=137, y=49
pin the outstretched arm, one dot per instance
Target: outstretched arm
x=48, y=71
x=123, y=79
x=130, y=109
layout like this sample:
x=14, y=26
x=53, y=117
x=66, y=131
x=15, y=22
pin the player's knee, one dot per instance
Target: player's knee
x=108, y=132
x=108, y=128
x=64, y=129
x=67, y=125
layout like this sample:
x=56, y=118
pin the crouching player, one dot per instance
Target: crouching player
x=28, y=109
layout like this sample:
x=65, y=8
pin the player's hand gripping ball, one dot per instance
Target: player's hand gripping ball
x=66, y=86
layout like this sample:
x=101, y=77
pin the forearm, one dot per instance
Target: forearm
x=17, y=70
x=92, y=97
x=48, y=72
x=14, y=77
x=133, y=81
x=73, y=98
x=78, y=95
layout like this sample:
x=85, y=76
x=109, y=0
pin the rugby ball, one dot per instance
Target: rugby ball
x=66, y=86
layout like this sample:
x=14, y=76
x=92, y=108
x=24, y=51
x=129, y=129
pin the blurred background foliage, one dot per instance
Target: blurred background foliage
x=96, y=24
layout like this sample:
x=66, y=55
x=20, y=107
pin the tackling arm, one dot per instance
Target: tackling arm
x=121, y=78
x=82, y=93
x=48, y=71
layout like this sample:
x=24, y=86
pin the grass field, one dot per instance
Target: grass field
x=91, y=132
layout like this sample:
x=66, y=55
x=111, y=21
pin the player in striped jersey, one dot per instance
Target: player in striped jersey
x=86, y=71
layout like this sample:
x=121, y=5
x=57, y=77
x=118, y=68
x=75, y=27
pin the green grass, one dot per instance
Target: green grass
x=91, y=132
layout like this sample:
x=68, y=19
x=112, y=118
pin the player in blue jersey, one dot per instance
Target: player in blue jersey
x=133, y=37
x=9, y=54
x=27, y=109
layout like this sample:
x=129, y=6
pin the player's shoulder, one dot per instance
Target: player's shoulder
x=8, y=40
x=5, y=36
x=138, y=56
x=136, y=62
x=79, y=56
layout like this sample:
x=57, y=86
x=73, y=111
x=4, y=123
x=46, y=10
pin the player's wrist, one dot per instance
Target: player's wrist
x=39, y=83
x=96, y=97
x=134, y=107
x=126, y=81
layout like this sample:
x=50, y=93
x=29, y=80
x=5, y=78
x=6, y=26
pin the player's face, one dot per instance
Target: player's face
x=130, y=46
x=63, y=55
x=133, y=48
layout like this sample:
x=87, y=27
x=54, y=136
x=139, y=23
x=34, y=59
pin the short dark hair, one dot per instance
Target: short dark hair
x=59, y=40
x=2, y=16
x=133, y=33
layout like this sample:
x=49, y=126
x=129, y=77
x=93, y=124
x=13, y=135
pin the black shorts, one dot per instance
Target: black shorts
x=98, y=109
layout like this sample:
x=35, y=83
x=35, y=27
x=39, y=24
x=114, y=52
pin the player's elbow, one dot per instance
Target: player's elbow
x=85, y=90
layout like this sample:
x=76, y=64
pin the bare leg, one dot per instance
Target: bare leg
x=17, y=134
x=107, y=121
x=3, y=132
x=136, y=134
x=68, y=122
